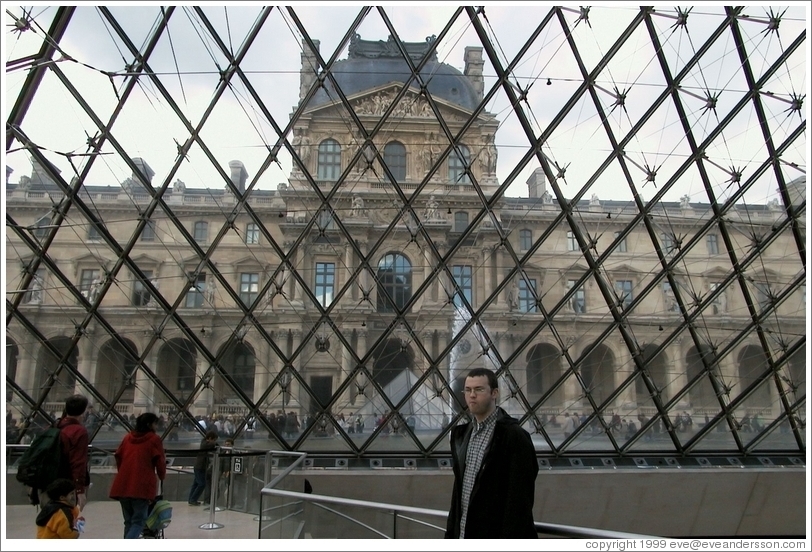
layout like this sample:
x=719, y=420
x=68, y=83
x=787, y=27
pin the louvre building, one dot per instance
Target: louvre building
x=351, y=299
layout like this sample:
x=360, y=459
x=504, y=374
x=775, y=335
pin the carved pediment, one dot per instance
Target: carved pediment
x=375, y=101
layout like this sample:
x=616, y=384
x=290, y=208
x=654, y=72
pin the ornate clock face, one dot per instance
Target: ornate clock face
x=465, y=346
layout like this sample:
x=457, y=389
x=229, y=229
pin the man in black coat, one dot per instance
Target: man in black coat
x=495, y=469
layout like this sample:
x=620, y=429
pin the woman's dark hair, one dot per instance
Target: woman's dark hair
x=143, y=423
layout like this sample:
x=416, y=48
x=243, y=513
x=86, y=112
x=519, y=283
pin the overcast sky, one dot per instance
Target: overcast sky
x=187, y=60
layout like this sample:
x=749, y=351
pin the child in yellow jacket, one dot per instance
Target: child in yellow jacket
x=59, y=518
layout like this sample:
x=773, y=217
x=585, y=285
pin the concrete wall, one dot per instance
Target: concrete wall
x=705, y=502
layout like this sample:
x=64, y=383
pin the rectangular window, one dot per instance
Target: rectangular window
x=572, y=243
x=325, y=220
x=249, y=287
x=325, y=283
x=621, y=246
x=201, y=232
x=460, y=221
x=457, y=166
x=667, y=243
x=329, y=167
x=196, y=292
x=525, y=240
x=93, y=233
x=251, y=233
x=41, y=227
x=463, y=275
x=148, y=233
x=578, y=300
x=86, y=281
x=527, y=301
x=713, y=244
x=623, y=288
x=141, y=294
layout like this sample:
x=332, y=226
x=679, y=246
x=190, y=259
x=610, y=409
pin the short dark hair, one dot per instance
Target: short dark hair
x=143, y=424
x=75, y=405
x=59, y=488
x=488, y=373
x=212, y=434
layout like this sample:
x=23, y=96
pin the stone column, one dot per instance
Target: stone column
x=487, y=272
x=624, y=366
x=261, y=371
x=88, y=355
x=497, y=269
x=293, y=389
x=205, y=400
x=143, y=394
x=25, y=373
x=677, y=375
x=572, y=389
x=349, y=264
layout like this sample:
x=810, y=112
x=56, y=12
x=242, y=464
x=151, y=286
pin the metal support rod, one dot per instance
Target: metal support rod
x=213, y=497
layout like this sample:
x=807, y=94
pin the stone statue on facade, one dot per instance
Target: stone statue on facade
x=432, y=209
x=358, y=209
x=490, y=155
x=178, y=187
x=35, y=292
x=513, y=296
x=685, y=202
x=95, y=286
x=301, y=145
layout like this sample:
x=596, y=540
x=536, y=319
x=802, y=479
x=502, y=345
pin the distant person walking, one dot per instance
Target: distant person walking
x=207, y=445
x=139, y=459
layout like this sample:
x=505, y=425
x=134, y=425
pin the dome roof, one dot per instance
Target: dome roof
x=355, y=75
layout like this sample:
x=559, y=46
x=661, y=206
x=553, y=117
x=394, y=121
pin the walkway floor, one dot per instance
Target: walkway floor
x=104, y=521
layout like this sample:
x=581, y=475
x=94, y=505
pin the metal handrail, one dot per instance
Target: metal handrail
x=569, y=531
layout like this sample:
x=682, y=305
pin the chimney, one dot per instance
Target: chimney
x=238, y=175
x=9, y=170
x=143, y=168
x=39, y=175
x=537, y=183
x=309, y=70
x=473, y=69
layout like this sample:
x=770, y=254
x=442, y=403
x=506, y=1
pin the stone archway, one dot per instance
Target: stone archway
x=657, y=367
x=543, y=370
x=597, y=372
x=48, y=363
x=116, y=368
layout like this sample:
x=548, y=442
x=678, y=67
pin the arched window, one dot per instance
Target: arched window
x=394, y=282
x=394, y=154
x=329, y=160
x=457, y=165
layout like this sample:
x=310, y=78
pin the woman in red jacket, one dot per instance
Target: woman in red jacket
x=139, y=457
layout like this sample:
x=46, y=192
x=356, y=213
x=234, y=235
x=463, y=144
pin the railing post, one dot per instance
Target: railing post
x=215, y=469
x=266, y=478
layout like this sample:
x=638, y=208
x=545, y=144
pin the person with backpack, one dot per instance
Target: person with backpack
x=59, y=518
x=139, y=458
x=74, y=439
x=58, y=452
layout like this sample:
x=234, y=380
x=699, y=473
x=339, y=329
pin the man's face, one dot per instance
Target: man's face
x=479, y=396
